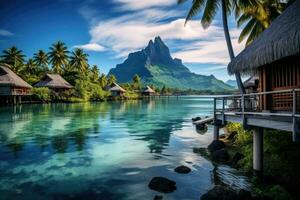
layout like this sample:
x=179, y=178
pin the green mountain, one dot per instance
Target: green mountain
x=155, y=65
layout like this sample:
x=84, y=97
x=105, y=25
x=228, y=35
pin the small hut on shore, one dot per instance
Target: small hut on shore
x=116, y=90
x=54, y=82
x=148, y=91
x=275, y=57
x=12, y=87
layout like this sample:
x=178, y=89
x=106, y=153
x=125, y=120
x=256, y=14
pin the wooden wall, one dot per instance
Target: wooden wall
x=280, y=75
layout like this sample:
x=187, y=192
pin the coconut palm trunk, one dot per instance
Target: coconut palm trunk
x=229, y=46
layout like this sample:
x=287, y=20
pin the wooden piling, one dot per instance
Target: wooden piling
x=258, y=150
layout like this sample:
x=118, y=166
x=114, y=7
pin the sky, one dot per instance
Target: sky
x=110, y=29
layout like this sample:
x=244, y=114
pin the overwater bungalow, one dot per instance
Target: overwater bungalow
x=12, y=87
x=116, y=90
x=275, y=57
x=54, y=82
x=148, y=91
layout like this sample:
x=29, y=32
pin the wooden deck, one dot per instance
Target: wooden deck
x=245, y=109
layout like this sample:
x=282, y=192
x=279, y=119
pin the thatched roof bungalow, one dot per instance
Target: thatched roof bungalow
x=148, y=91
x=275, y=57
x=54, y=82
x=116, y=90
x=11, y=84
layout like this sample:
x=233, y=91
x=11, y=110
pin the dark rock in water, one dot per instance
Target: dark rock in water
x=201, y=126
x=196, y=119
x=216, y=145
x=219, y=193
x=182, y=169
x=220, y=155
x=236, y=158
x=201, y=129
x=232, y=135
x=244, y=195
x=158, y=197
x=162, y=184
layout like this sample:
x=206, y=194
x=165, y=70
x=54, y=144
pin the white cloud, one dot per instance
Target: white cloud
x=142, y=4
x=5, y=33
x=91, y=47
x=213, y=51
x=149, y=18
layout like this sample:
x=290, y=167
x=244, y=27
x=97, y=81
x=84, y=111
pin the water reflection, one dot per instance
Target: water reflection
x=109, y=149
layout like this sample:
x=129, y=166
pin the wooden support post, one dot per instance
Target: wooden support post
x=223, y=111
x=296, y=128
x=258, y=151
x=15, y=100
x=216, y=132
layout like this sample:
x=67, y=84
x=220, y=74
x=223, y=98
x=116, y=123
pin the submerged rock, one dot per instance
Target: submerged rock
x=216, y=145
x=182, y=169
x=162, y=184
x=196, y=119
x=220, y=155
x=219, y=193
x=158, y=197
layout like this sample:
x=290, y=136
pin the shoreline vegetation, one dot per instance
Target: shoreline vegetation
x=89, y=83
x=281, y=167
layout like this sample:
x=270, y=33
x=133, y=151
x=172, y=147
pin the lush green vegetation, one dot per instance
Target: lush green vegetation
x=89, y=84
x=281, y=162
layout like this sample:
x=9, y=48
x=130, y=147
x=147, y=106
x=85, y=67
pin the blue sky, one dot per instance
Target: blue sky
x=109, y=30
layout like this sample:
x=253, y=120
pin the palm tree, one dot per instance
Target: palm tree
x=58, y=56
x=41, y=59
x=136, y=82
x=95, y=73
x=13, y=57
x=111, y=79
x=257, y=15
x=79, y=61
x=210, y=8
x=30, y=66
x=103, y=80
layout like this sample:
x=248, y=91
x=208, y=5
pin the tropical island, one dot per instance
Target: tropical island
x=150, y=127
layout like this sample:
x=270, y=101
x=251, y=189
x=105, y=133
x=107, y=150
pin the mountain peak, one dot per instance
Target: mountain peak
x=155, y=65
x=158, y=51
x=158, y=40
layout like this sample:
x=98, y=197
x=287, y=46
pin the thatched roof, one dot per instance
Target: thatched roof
x=9, y=78
x=53, y=81
x=251, y=82
x=280, y=40
x=116, y=88
x=148, y=89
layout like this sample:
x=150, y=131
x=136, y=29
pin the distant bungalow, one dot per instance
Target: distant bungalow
x=148, y=91
x=54, y=82
x=12, y=86
x=116, y=90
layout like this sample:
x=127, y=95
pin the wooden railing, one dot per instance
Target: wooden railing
x=250, y=104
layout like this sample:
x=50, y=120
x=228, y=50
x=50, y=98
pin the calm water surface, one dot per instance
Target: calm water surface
x=106, y=150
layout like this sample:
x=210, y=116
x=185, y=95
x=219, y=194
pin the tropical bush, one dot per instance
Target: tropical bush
x=89, y=91
x=41, y=94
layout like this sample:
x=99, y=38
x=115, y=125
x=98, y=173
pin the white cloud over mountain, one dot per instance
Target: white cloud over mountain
x=143, y=20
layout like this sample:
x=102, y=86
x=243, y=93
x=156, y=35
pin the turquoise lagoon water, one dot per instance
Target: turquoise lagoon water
x=107, y=150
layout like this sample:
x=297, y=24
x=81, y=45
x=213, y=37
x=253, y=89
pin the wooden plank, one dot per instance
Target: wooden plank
x=204, y=121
